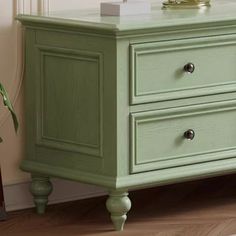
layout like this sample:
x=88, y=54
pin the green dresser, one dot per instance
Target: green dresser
x=130, y=102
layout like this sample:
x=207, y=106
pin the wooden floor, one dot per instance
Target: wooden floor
x=191, y=209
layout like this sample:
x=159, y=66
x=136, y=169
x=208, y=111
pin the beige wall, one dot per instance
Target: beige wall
x=12, y=150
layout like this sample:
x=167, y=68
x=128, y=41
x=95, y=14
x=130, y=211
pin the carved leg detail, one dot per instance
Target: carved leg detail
x=40, y=188
x=118, y=204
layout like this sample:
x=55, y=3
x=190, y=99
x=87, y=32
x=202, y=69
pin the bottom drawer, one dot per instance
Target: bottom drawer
x=159, y=139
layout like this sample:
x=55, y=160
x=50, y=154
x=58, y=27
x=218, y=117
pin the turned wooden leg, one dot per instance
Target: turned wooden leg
x=118, y=204
x=40, y=188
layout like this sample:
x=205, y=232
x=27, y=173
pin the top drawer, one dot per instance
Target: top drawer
x=157, y=69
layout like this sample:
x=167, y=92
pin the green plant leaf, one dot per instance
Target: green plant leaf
x=7, y=103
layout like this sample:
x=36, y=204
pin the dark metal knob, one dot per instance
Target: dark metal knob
x=189, y=134
x=189, y=68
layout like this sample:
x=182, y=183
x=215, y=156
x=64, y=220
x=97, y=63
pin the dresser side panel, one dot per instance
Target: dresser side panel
x=70, y=82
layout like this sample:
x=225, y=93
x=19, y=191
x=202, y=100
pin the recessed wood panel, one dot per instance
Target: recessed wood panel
x=70, y=100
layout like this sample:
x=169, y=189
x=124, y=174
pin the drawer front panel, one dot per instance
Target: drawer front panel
x=157, y=69
x=158, y=142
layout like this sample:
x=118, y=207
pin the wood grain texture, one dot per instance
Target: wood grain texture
x=165, y=79
x=201, y=208
x=149, y=129
x=77, y=74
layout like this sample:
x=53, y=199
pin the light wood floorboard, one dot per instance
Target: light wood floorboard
x=200, y=208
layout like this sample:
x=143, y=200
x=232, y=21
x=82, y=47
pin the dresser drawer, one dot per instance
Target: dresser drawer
x=157, y=69
x=159, y=138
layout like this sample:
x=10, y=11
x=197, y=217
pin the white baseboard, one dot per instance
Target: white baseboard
x=17, y=196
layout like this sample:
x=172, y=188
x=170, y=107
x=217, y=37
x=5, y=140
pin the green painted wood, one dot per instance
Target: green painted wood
x=178, y=174
x=69, y=173
x=123, y=109
x=30, y=85
x=148, y=179
x=182, y=102
x=85, y=58
x=40, y=188
x=66, y=122
x=118, y=204
x=107, y=102
x=158, y=68
x=215, y=136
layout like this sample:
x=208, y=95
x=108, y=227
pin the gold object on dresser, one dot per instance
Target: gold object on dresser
x=186, y=4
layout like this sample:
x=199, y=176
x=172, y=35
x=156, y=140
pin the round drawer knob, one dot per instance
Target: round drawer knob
x=189, y=68
x=189, y=134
